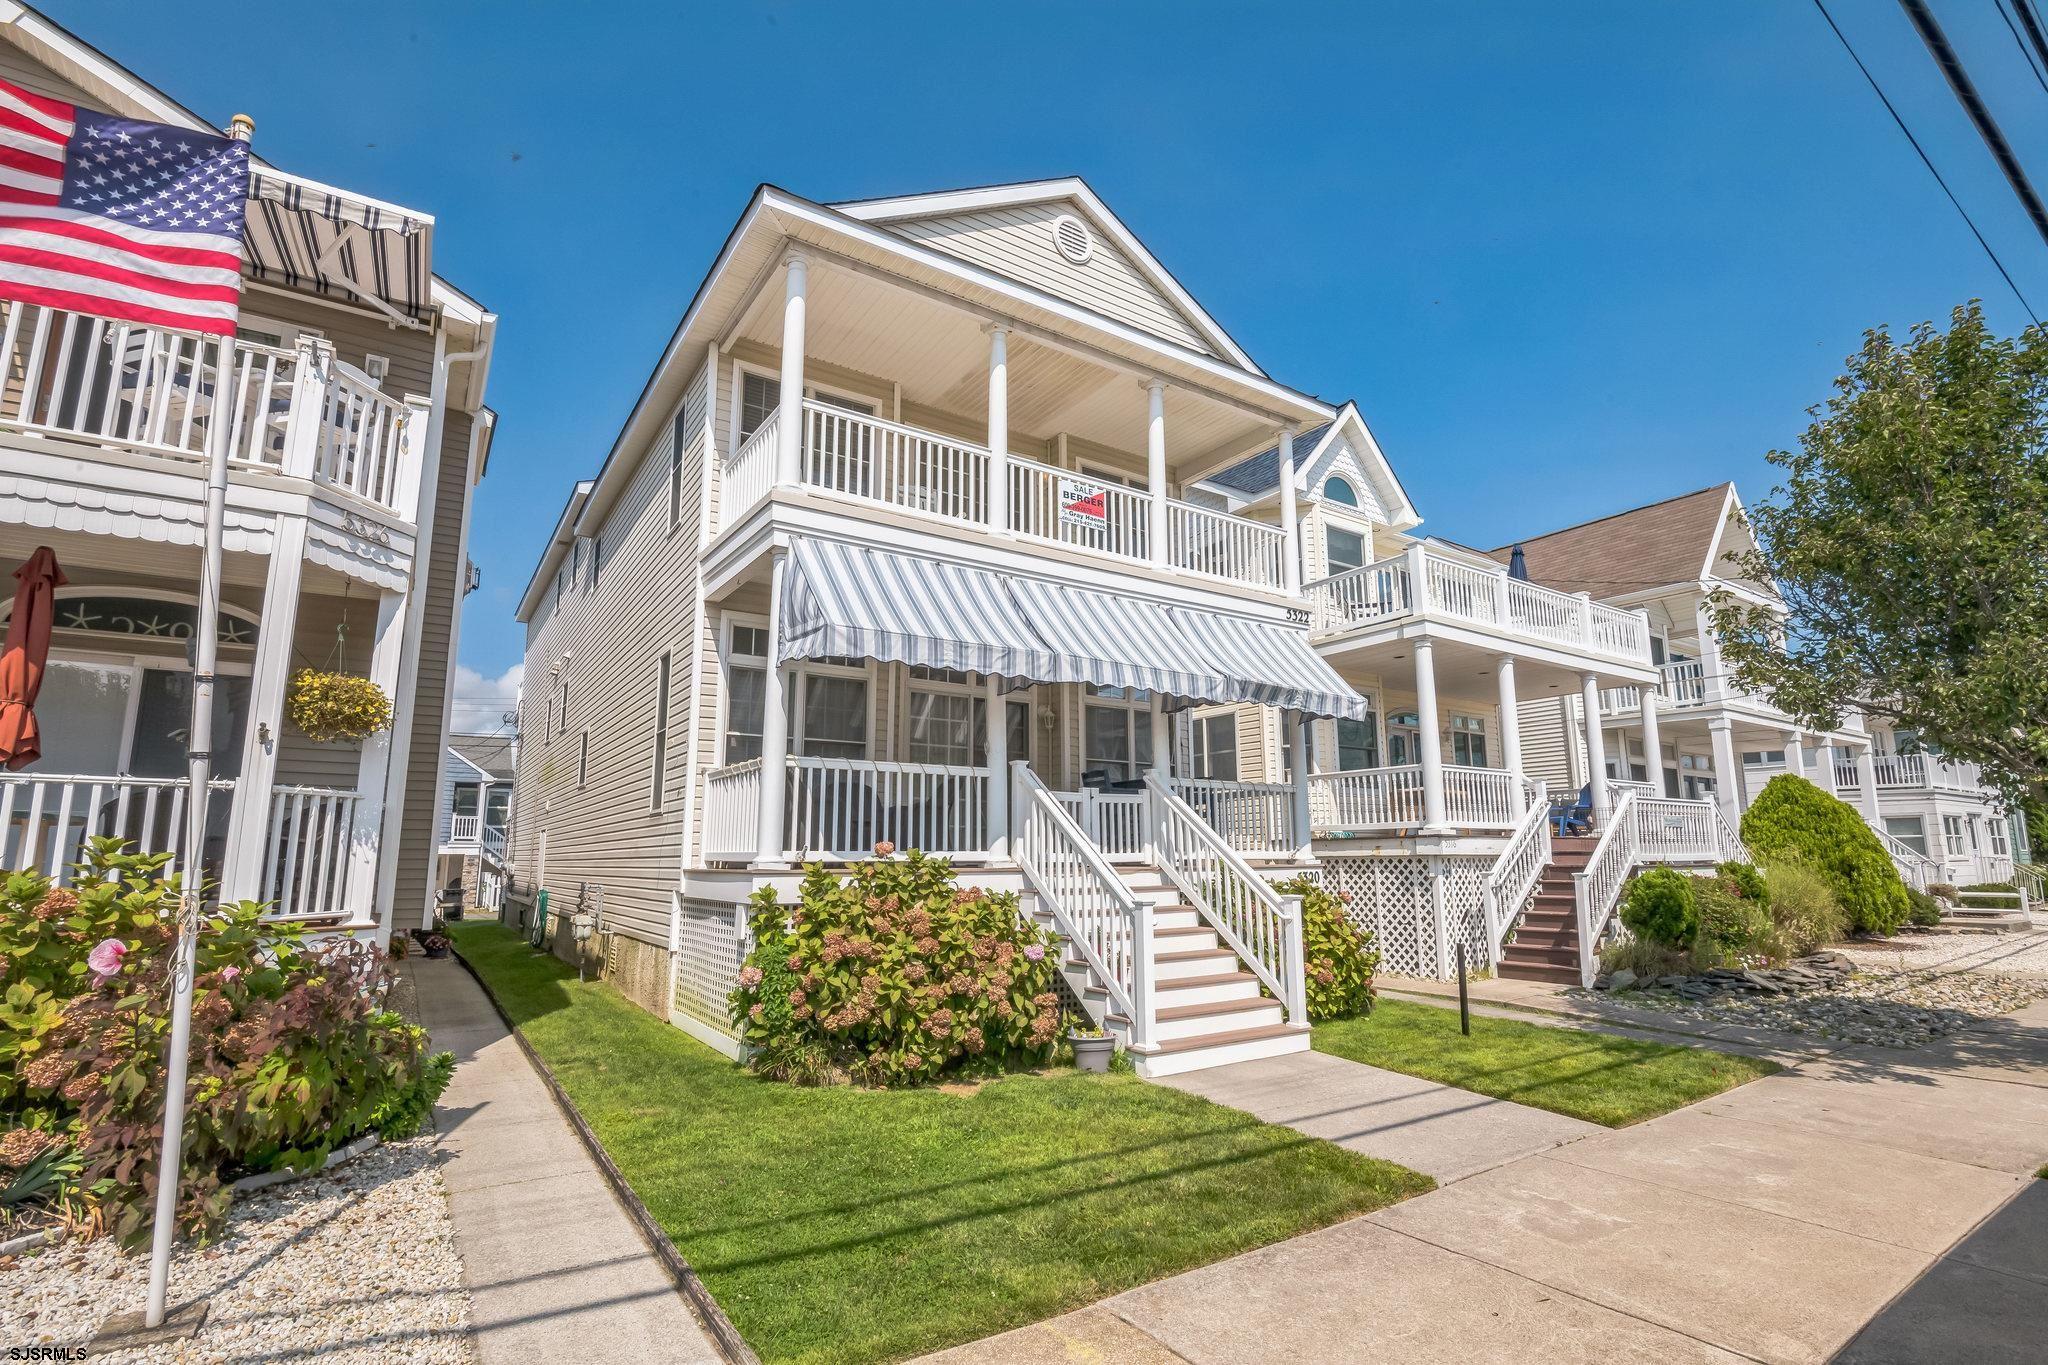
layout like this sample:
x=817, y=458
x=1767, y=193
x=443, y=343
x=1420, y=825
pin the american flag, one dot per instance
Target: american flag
x=136, y=221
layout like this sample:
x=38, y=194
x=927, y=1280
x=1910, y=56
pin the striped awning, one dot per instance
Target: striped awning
x=310, y=236
x=841, y=601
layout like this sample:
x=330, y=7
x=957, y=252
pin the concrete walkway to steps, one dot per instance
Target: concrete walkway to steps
x=554, y=1267
x=1870, y=1206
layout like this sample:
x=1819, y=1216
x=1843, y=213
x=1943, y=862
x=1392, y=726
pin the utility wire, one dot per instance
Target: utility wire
x=1980, y=115
x=2032, y=23
x=1926, y=161
x=2021, y=43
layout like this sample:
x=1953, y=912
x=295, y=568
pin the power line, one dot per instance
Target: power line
x=1980, y=115
x=2032, y=23
x=2021, y=43
x=1926, y=161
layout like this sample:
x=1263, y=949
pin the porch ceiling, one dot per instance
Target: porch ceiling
x=938, y=352
x=87, y=557
x=1466, y=671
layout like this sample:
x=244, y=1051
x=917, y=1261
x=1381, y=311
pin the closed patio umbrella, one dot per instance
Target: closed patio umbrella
x=1518, y=565
x=27, y=650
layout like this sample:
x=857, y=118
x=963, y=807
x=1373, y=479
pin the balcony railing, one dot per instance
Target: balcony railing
x=856, y=456
x=470, y=831
x=1373, y=800
x=1915, y=772
x=1458, y=591
x=1679, y=684
x=171, y=394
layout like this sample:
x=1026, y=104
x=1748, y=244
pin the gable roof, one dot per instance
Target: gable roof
x=1261, y=473
x=1257, y=477
x=946, y=220
x=490, y=755
x=1656, y=546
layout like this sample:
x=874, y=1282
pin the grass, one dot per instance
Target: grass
x=843, y=1224
x=1592, y=1076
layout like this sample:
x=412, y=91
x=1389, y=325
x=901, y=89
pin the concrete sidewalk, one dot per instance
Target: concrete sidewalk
x=1868, y=1206
x=554, y=1267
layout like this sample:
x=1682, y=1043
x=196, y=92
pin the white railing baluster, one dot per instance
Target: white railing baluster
x=1516, y=871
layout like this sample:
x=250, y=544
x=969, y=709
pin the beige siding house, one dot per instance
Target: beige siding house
x=356, y=434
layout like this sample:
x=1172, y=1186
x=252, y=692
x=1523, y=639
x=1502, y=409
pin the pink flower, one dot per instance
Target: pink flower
x=750, y=977
x=229, y=973
x=1034, y=953
x=105, y=959
x=884, y=849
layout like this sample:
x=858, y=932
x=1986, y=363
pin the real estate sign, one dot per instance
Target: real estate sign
x=1083, y=503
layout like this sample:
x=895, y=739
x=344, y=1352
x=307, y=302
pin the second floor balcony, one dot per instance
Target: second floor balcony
x=1921, y=772
x=297, y=418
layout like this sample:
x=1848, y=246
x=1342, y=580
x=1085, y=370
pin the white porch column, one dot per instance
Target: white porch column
x=997, y=741
x=789, y=436
x=1155, y=467
x=1711, y=682
x=1596, y=748
x=1510, y=716
x=1162, y=737
x=1866, y=782
x=1297, y=750
x=1830, y=758
x=774, y=729
x=1430, y=741
x=1727, y=769
x=1653, y=742
x=998, y=426
x=249, y=812
x=374, y=766
x=1290, y=517
x=1795, y=754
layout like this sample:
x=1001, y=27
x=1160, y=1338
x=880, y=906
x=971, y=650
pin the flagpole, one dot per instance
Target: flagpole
x=192, y=853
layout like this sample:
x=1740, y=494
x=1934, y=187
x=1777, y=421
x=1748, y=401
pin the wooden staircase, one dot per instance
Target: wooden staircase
x=1208, y=1007
x=1546, y=942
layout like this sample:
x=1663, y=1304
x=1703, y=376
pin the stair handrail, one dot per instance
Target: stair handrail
x=1516, y=871
x=1251, y=918
x=1730, y=838
x=1915, y=867
x=1108, y=925
x=1597, y=889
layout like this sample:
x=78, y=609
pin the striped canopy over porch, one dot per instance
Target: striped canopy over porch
x=843, y=600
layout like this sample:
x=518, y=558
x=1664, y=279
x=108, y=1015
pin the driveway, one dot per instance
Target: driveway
x=1867, y=1206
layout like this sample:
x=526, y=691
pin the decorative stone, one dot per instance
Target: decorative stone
x=1621, y=980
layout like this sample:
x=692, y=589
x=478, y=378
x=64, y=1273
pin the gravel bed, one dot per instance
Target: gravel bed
x=1882, y=1006
x=2004, y=954
x=357, y=1264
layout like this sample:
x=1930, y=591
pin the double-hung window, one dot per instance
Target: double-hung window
x=827, y=707
x=1909, y=830
x=760, y=395
x=1358, y=744
x=1468, y=741
x=1116, y=733
x=1344, y=549
x=661, y=688
x=746, y=682
x=947, y=720
x=675, y=471
x=1215, y=739
x=1995, y=827
x=1952, y=833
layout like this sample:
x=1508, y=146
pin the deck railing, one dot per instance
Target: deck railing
x=1458, y=590
x=732, y=811
x=45, y=819
x=306, y=859
x=1915, y=772
x=750, y=473
x=168, y=393
x=840, y=808
x=1256, y=817
x=1368, y=799
x=1113, y=821
x=1597, y=889
x=1512, y=879
x=1041, y=497
x=865, y=457
x=1223, y=546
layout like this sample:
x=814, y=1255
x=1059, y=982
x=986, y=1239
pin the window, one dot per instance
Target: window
x=661, y=682
x=1216, y=746
x=1116, y=734
x=1358, y=745
x=1344, y=549
x=1971, y=825
x=467, y=794
x=1763, y=758
x=582, y=759
x=760, y=395
x=1996, y=829
x=746, y=692
x=596, y=553
x=1952, y=832
x=562, y=717
x=1909, y=830
x=675, y=471
x=549, y=733
x=1340, y=490
x=834, y=719
x=946, y=727
x=1404, y=739
x=1468, y=741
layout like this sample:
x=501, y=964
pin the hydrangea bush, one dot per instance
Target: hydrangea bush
x=1338, y=954
x=895, y=974
x=292, y=1050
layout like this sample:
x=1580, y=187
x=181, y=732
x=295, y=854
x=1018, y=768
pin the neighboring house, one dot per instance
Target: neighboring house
x=1709, y=737
x=476, y=818
x=356, y=433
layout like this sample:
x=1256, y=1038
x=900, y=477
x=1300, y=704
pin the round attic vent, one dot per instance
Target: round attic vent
x=1072, y=237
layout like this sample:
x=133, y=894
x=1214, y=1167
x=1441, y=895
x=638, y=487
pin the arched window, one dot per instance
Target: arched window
x=1339, y=490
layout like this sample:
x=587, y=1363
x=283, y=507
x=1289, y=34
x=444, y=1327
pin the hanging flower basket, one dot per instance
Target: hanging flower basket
x=336, y=707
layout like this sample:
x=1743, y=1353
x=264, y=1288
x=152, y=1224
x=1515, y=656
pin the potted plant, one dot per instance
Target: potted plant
x=1092, y=1047
x=336, y=707
x=436, y=944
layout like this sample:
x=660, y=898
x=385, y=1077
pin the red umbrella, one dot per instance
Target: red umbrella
x=28, y=649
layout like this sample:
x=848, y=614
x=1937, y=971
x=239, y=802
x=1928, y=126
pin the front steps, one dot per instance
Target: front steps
x=1546, y=941
x=1208, y=1010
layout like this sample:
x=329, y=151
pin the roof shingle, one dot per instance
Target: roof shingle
x=1644, y=547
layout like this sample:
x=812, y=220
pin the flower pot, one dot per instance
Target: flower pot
x=1092, y=1053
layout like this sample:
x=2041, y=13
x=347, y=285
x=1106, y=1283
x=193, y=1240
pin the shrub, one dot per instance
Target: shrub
x=405, y=1112
x=895, y=974
x=2007, y=887
x=1338, y=954
x=1943, y=891
x=1793, y=820
x=1803, y=907
x=1731, y=924
x=1925, y=911
x=1649, y=960
x=292, y=1054
x=1746, y=881
x=1659, y=906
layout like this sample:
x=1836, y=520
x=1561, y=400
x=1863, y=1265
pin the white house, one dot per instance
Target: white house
x=351, y=405
x=476, y=818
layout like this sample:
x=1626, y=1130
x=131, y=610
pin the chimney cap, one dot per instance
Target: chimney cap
x=241, y=127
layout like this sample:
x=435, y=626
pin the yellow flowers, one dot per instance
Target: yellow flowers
x=333, y=707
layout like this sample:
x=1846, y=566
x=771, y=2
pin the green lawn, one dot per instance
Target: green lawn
x=1592, y=1076
x=845, y=1224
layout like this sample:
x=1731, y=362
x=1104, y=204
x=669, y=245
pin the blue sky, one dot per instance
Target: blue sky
x=1568, y=257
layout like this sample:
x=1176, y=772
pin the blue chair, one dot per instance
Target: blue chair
x=1570, y=816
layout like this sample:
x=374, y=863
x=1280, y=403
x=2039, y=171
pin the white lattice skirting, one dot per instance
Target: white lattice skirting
x=1419, y=908
x=710, y=947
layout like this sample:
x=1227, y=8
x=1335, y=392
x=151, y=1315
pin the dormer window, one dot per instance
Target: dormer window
x=1339, y=490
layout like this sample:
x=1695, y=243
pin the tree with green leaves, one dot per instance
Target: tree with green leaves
x=1909, y=543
